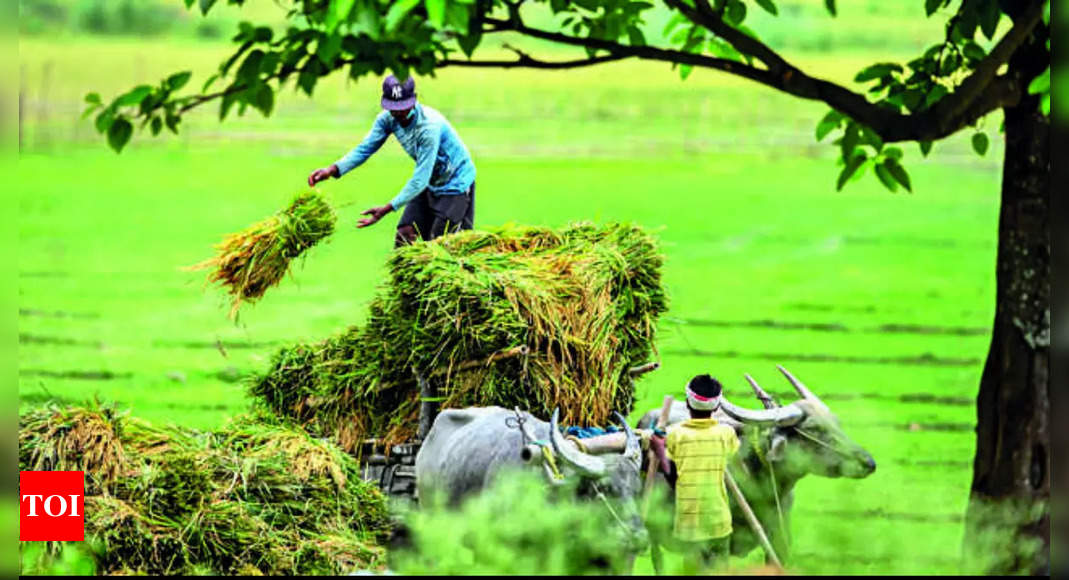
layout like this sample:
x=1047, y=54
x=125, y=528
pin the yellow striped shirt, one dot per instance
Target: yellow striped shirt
x=700, y=449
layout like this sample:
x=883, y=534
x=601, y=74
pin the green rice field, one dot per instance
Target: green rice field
x=880, y=302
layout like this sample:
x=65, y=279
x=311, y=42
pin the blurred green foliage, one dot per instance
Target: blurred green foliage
x=66, y=559
x=516, y=527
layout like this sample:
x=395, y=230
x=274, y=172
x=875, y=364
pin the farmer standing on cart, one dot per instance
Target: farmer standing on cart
x=440, y=196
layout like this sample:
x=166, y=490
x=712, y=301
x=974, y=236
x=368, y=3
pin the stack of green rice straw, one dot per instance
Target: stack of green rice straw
x=255, y=497
x=518, y=316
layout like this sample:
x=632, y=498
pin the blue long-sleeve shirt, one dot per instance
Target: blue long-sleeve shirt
x=443, y=163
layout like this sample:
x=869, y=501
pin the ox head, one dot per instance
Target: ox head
x=614, y=478
x=804, y=436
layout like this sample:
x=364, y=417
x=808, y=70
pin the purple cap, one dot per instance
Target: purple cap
x=398, y=96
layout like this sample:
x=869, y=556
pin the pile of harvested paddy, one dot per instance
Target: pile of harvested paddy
x=255, y=497
x=257, y=258
x=528, y=317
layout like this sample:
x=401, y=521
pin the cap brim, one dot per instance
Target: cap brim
x=398, y=105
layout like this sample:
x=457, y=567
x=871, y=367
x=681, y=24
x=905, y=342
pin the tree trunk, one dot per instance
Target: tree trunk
x=1008, y=520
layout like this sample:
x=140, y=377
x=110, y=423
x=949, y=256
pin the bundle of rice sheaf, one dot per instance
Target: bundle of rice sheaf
x=257, y=258
x=255, y=497
x=528, y=317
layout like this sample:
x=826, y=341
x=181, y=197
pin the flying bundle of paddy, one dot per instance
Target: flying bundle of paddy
x=518, y=316
x=257, y=496
x=257, y=258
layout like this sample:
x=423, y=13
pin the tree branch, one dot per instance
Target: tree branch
x=714, y=22
x=974, y=85
x=525, y=61
x=642, y=52
x=980, y=93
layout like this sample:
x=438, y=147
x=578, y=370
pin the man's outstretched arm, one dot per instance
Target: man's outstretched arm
x=421, y=177
x=353, y=159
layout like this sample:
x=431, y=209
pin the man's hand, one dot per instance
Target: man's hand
x=376, y=214
x=657, y=445
x=323, y=174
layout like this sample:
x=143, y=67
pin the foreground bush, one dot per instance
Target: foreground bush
x=255, y=497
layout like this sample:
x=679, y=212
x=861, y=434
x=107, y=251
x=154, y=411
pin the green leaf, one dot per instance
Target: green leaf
x=635, y=36
x=458, y=16
x=735, y=12
x=937, y=92
x=264, y=100
x=832, y=120
x=830, y=5
x=1038, y=86
x=339, y=12
x=768, y=6
x=250, y=67
x=134, y=97
x=89, y=110
x=469, y=42
x=872, y=138
x=989, y=16
x=876, y=71
x=926, y=146
x=119, y=133
x=898, y=172
x=1044, y=104
x=684, y=71
x=329, y=47
x=849, y=169
x=228, y=101
x=885, y=177
x=157, y=125
x=823, y=128
x=979, y=143
x=93, y=98
x=435, y=12
x=178, y=80
x=850, y=139
x=974, y=51
x=893, y=153
x=209, y=82
x=104, y=120
x=205, y=6
x=930, y=6
x=172, y=122
x=307, y=81
x=397, y=13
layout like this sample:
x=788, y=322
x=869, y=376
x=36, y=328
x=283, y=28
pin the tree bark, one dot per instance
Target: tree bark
x=1008, y=519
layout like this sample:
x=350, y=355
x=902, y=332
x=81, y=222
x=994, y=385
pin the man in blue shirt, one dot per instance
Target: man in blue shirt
x=440, y=196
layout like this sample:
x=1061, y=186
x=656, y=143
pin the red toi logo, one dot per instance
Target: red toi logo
x=51, y=505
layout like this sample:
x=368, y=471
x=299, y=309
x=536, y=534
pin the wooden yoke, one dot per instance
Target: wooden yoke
x=651, y=469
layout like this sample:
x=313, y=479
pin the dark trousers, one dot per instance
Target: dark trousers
x=430, y=216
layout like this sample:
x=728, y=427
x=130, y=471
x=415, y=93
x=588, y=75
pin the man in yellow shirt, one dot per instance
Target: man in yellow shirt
x=693, y=458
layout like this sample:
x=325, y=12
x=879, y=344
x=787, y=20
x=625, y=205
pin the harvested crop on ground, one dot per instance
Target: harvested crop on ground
x=254, y=497
x=255, y=259
x=519, y=316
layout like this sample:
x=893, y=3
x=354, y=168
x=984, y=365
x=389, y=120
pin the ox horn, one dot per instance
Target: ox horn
x=587, y=465
x=632, y=447
x=798, y=386
x=779, y=416
x=765, y=398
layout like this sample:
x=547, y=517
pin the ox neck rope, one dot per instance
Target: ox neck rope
x=763, y=457
x=517, y=423
x=608, y=506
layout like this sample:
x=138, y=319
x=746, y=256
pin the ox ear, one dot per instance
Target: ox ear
x=778, y=447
